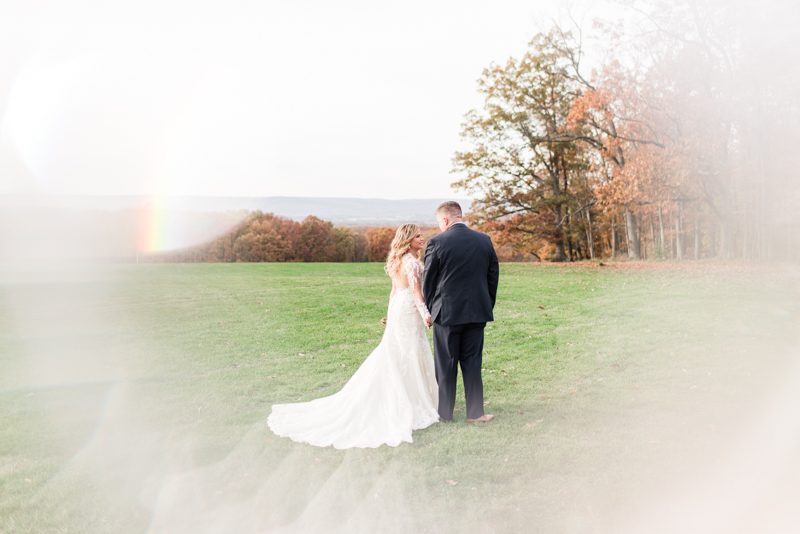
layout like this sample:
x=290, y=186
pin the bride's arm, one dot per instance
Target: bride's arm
x=412, y=273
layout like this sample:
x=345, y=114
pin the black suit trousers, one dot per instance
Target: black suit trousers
x=454, y=345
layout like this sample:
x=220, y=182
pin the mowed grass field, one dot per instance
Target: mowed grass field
x=134, y=399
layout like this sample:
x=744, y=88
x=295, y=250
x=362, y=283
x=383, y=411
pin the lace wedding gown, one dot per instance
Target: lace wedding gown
x=392, y=393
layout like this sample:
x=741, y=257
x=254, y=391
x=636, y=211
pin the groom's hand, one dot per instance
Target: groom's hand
x=428, y=322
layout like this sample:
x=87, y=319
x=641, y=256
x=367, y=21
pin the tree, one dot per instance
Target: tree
x=315, y=241
x=263, y=241
x=350, y=246
x=360, y=248
x=524, y=153
x=380, y=241
x=726, y=74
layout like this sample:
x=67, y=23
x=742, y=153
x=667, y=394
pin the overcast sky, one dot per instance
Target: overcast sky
x=344, y=98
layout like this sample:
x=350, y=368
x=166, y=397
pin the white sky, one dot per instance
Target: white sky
x=344, y=99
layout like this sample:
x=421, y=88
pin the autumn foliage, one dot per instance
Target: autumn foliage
x=679, y=145
x=380, y=241
x=266, y=237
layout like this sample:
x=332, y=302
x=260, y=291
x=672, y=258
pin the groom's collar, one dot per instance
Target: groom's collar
x=456, y=223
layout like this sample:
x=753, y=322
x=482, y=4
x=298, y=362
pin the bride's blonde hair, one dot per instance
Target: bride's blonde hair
x=400, y=246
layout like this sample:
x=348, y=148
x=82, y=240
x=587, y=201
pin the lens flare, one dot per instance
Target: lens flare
x=152, y=231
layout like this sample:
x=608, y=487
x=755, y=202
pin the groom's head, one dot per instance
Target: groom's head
x=448, y=213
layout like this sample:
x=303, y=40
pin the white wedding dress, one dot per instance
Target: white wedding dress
x=392, y=393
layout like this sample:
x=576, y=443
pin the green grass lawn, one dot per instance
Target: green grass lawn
x=134, y=399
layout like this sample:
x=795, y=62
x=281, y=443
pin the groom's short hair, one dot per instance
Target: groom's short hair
x=449, y=209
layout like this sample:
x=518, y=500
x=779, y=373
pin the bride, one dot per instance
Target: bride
x=394, y=391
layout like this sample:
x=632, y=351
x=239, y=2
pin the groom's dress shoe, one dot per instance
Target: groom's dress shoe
x=485, y=418
x=445, y=420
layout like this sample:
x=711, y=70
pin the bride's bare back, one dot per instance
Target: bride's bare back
x=409, y=276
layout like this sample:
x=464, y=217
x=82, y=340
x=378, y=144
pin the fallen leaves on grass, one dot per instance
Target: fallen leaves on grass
x=451, y=482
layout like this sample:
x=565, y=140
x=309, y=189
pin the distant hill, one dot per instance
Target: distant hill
x=340, y=211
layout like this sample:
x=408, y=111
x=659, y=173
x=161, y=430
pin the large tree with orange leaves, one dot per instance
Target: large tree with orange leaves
x=523, y=154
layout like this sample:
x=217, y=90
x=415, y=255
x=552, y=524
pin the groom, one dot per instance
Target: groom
x=460, y=287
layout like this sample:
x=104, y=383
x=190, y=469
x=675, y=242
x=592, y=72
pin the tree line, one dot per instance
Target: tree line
x=680, y=144
x=266, y=237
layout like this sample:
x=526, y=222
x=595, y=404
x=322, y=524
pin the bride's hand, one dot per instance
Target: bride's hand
x=428, y=322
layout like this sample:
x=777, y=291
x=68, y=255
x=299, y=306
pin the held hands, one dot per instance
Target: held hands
x=428, y=322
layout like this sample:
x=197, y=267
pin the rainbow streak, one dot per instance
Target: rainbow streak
x=160, y=228
x=153, y=228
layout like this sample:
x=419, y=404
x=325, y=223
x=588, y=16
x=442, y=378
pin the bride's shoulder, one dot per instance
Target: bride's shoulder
x=410, y=259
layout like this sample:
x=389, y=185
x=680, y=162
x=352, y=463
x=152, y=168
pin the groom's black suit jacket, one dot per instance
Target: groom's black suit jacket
x=460, y=280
